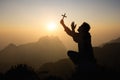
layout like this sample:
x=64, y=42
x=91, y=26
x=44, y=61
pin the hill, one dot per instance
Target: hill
x=46, y=49
x=51, y=49
x=62, y=68
x=109, y=54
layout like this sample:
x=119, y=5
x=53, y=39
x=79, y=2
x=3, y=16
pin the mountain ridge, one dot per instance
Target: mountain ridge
x=46, y=49
x=51, y=49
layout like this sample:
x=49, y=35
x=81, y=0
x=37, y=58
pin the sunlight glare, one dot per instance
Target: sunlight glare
x=52, y=26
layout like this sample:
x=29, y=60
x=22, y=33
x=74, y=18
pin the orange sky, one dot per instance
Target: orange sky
x=23, y=21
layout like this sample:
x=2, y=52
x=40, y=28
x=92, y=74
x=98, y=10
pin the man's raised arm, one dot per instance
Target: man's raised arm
x=67, y=30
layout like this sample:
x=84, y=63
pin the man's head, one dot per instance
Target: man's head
x=84, y=27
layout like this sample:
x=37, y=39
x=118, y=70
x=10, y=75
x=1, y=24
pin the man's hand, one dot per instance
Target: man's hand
x=62, y=21
x=73, y=25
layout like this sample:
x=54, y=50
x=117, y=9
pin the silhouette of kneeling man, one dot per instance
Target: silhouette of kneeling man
x=85, y=54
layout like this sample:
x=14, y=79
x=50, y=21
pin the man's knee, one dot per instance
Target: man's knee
x=71, y=53
x=74, y=56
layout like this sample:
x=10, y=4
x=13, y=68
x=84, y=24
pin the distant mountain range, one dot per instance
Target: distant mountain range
x=50, y=51
x=46, y=49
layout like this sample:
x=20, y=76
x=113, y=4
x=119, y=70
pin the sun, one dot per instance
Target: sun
x=52, y=26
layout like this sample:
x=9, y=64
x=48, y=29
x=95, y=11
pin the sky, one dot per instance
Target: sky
x=24, y=21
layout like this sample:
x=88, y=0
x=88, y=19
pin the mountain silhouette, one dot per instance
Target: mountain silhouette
x=115, y=40
x=109, y=54
x=61, y=68
x=108, y=58
x=51, y=49
x=46, y=49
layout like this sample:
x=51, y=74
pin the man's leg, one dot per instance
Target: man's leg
x=74, y=56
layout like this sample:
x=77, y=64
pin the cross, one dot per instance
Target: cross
x=64, y=15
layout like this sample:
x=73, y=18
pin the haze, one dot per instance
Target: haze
x=24, y=21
